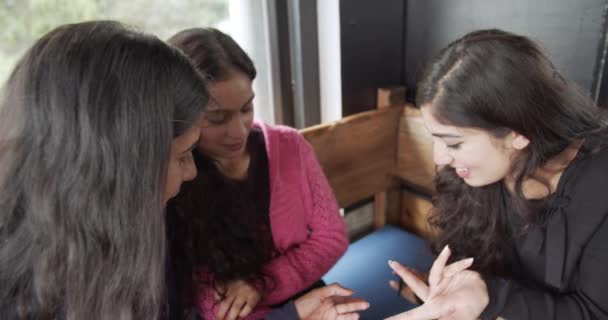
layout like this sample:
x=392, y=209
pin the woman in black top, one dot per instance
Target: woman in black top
x=521, y=186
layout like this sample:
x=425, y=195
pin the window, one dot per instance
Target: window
x=24, y=21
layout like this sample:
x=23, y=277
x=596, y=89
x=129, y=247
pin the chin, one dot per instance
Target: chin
x=232, y=155
x=473, y=182
x=477, y=183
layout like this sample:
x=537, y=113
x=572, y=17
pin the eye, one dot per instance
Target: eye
x=248, y=108
x=454, y=146
x=216, y=118
x=185, y=159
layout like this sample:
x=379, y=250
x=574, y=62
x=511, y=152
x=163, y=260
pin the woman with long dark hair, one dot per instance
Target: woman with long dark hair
x=260, y=223
x=96, y=131
x=523, y=172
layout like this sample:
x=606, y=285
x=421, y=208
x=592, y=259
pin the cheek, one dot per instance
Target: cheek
x=247, y=119
x=211, y=136
x=480, y=155
x=494, y=165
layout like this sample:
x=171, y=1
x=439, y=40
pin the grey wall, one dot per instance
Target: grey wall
x=387, y=42
x=571, y=31
x=372, y=50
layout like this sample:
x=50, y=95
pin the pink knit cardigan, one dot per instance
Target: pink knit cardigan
x=307, y=229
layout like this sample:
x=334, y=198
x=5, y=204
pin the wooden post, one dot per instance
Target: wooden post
x=387, y=97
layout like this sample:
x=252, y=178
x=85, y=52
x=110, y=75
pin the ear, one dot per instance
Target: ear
x=519, y=142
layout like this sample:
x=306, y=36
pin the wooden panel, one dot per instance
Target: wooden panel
x=357, y=153
x=415, y=152
x=380, y=207
x=415, y=212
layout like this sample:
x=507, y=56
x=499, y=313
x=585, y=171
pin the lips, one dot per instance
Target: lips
x=463, y=173
x=234, y=146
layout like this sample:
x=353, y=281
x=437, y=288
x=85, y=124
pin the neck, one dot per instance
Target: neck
x=551, y=173
x=234, y=168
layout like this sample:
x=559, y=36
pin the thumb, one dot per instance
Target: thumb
x=335, y=289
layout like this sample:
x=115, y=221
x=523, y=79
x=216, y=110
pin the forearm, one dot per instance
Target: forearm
x=302, y=265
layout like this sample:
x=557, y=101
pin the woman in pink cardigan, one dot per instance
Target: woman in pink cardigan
x=259, y=224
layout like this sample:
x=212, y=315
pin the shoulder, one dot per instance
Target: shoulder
x=281, y=138
x=584, y=192
x=591, y=171
x=276, y=130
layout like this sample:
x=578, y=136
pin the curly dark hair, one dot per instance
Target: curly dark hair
x=500, y=82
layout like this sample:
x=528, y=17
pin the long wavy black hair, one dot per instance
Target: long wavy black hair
x=87, y=118
x=212, y=224
x=500, y=82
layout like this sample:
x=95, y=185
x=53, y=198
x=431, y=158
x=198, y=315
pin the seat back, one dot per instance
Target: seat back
x=358, y=152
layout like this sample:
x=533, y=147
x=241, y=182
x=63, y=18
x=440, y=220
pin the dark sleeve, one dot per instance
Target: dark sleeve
x=513, y=300
x=285, y=312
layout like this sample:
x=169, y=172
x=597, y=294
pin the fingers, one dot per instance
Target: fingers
x=406, y=292
x=334, y=289
x=425, y=312
x=349, y=316
x=457, y=267
x=438, y=265
x=394, y=284
x=345, y=305
x=224, y=307
x=338, y=308
x=235, y=309
x=420, y=288
x=245, y=311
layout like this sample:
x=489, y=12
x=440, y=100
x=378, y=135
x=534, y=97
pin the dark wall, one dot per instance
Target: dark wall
x=372, y=50
x=387, y=42
x=571, y=31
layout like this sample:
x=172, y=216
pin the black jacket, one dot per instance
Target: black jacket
x=563, y=264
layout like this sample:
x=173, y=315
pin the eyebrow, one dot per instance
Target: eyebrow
x=248, y=101
x=221, y=108
x=446, y=135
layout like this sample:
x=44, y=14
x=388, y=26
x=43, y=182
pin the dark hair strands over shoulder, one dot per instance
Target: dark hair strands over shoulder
x=501, y=82
x=92, y=109
x=214, y=225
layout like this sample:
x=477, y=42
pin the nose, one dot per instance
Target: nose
x=237, y=127
x=441, y=156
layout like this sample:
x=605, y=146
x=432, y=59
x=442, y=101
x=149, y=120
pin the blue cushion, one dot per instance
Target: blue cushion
x=364, y=268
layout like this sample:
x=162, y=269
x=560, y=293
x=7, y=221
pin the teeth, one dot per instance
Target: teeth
x=462, y=170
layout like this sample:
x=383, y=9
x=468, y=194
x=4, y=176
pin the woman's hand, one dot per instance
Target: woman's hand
x=240, y=298
x=331, y=302
x=405, y=291
x=452, y=292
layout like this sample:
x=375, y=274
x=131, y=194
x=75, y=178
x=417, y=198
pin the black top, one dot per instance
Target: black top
x=560, y=265
x=212, y=190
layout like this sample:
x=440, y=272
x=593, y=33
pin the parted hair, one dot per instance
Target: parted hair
x=500, y=82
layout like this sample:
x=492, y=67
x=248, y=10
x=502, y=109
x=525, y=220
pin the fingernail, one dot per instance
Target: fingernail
x=390, y=263
x=470, y=260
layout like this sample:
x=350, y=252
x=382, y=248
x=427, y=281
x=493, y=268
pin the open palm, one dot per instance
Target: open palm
x=453, y=292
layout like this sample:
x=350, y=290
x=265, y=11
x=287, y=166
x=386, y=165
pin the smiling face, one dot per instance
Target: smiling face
x=478, y=157
x=226, y=126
